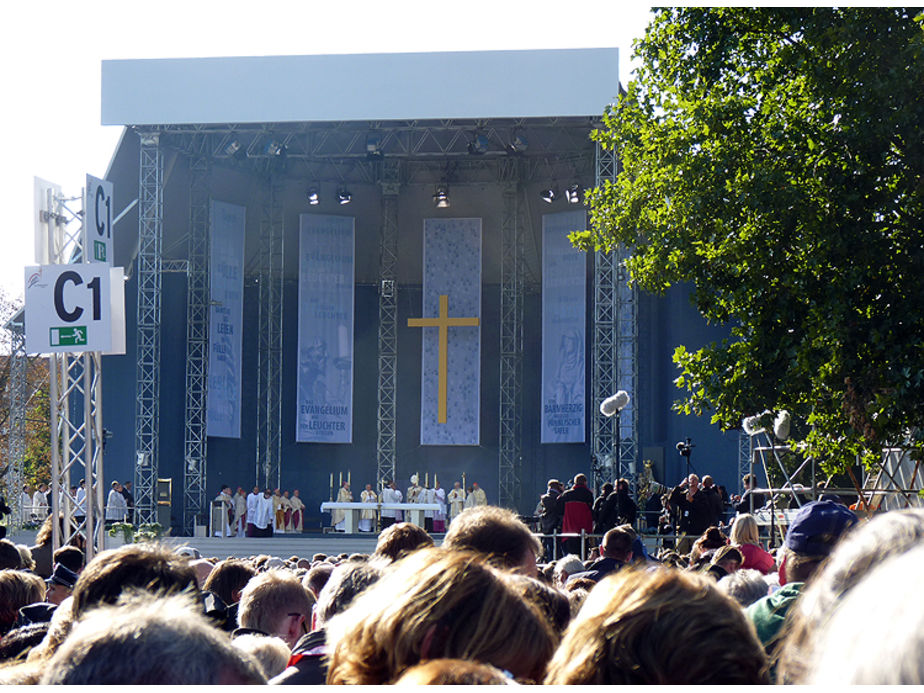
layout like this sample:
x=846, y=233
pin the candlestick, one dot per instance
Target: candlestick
x=340, y=479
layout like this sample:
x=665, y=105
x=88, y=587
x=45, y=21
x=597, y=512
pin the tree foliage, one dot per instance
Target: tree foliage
x=774, y=159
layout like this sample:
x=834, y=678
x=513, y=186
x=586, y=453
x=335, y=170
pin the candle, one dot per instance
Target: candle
x=340, y=479
x=427, y=479
x=349, y=476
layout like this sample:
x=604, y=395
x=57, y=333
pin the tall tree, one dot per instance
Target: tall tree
x=774, y=159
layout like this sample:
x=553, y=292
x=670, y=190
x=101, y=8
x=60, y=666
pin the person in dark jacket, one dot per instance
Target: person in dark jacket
x=743, y=503
x=602, y=519
x=715, y=500
x=550, y=516
x=620, y=508
x=694, y=507
x=615, y=552
x=576, y=506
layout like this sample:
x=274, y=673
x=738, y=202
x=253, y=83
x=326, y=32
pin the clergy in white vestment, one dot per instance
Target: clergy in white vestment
x=116, y=507
x=264, y=515
x=439, y=517
x=298, y=512
x=456, y=500
x=240, y=512
x=367, y=518
x=391, y=494
x=476, y=497
x=253, y=498
x=338, y=516
x=40, y=503
x=25, y=505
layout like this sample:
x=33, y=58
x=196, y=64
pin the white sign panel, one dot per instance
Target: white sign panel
x=68, y=308
x=45, y=193
x=97, y=227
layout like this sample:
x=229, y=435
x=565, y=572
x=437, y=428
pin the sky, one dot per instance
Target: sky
x=51, y=51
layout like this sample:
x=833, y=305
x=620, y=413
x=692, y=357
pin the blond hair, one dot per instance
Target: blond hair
x=658, y=627
x=268, y=597
x=744, y=530
x=437, y=603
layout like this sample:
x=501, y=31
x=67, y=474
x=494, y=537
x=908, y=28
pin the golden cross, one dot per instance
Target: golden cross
x=444, y=322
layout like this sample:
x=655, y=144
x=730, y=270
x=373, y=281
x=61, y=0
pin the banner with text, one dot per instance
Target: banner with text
x=325, y=329
x=450, y=406
x=226, y=319
x=564, y=302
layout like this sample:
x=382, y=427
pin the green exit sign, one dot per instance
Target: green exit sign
x=99, y=251
x=68, y=336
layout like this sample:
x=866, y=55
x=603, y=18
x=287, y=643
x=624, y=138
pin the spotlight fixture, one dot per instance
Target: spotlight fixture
x=518, y=144
x=273, y=148
x=344, y=196
x=374, y=146
x=573, y=193
x=232, y=147
x=478, y=145
x=313, y=195
x=441, y=196
x=549, y=194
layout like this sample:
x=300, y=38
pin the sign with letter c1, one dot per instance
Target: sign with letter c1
x=97, y=226
x=69, y=308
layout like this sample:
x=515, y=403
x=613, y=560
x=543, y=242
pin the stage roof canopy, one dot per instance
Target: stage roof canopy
x=362, y=87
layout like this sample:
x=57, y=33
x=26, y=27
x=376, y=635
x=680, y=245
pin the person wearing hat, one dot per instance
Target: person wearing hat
x=549, y=516
x=813, y=533
x=60, y=585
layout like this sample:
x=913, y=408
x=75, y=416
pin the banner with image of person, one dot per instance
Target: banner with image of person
x=564, y=304
x=325, y=329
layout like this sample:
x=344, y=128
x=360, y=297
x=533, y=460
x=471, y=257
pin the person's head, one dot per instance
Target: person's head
x=256, y=489
x=10, y=558
x=693, y=482
x=275, y=603
x=553, y=484
x=225, y=489
x=449, y=672
x=658, y=627
x=149, y=566
x=316, y=577
x=606, y=489
x=25, y=557
x=71, y=557
x=149, y=640
x=551, y=602
x=295, y=493
x=228, y=578
x=622, y=485
x=400, y=539
x=271, y=653
x=457, y=485
x=437, y=604
x=565, y=566
x=17, y=589
x=498, y=534
x=749, y=481
x=887, y=649
x=728, y=558
x=580, y=480
x=60, y=585
x=708, y=481
x=127, y=485
x=744, y=586
x=475, y=485
x=368, y=487
x=812, y=535
x=116, y=486
x=744, y=530
x=868, y=545
x=617, y=543
x=347, y=581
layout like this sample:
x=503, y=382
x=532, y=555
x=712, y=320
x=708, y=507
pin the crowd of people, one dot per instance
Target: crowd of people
x=35, y=505
x=836, y=603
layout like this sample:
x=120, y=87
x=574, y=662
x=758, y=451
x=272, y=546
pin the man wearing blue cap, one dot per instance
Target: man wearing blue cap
x=814, y=531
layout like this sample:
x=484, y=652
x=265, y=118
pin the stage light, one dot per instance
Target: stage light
x=518, y=144
x=374, y=147
x=478, y=145
x=313, y=195
x=232, y=147
x=549, y=194
x=573, y=194
x=441, y=196
x=274, y=148
x=344, y=196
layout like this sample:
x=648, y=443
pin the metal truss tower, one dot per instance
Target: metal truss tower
x=627, y=367
x=75, y=398
x=744, y=458
x=269, y=366
x=385, y=448
x=17, y=397
x=197, y=345
x=511, y=345
x=147, y=403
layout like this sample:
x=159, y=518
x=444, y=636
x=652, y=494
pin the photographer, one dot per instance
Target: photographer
x=695, y=510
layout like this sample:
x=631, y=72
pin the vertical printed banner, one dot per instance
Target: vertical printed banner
x=325, y=329
x=564, y=291
x=452, y=269
x=226, y=317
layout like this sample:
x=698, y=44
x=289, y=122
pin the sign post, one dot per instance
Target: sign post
x=97, y=228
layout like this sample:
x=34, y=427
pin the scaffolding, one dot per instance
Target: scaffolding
x=386, y=427
x=147, y=357
x=18, y=399
x=198, y=301
x=269, y=366
x=511, y=344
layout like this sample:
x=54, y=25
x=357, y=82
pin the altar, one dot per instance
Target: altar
x=414, y=512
